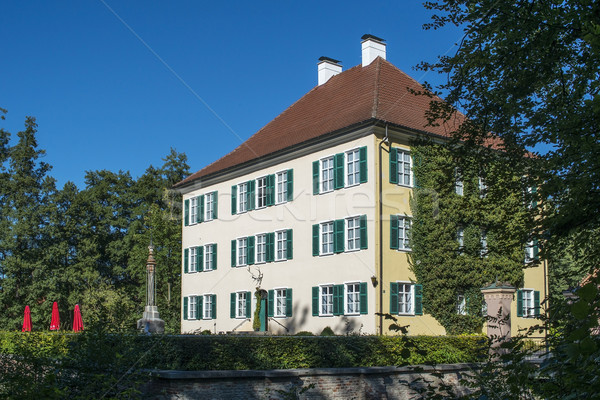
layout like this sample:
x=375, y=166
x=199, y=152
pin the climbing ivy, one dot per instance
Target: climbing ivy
x=500, y=213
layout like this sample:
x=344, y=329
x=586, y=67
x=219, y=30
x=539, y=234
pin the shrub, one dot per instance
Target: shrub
x=327, y=331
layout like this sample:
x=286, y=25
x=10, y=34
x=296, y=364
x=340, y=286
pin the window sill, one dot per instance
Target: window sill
x=352, y=315
x=405, y=186
x=326, y=254
x=404, y=250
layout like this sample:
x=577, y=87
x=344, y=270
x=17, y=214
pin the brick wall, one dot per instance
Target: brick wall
x=327, y=383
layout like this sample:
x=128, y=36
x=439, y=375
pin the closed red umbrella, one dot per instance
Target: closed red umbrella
x=26, y=320
x=77, y=321
x=55, y=323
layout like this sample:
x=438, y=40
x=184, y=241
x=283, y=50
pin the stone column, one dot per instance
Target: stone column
x=151, y=322
x=498, y=297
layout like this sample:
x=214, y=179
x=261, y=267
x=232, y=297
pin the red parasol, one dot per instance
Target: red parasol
x=27, y=320
x=55, y=324
x=77, y=321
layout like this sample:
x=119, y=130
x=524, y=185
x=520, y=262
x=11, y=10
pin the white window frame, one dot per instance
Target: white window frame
x=406, y=298
x=240, y=304
x=326, y=300
x=279, y=302
x=322, y=236
x=352, y=298
x=403, y=165
x=483, y=252
x=352, y=234
x=483, y=187
x=207, y=306
x=404, y=232
x=192, y=301
x=209, y=257
x=461, y=304
x=459, y=185
x=352, y=168
x=260, y=248
x=261, y=192
x=209, y=199
x=281, y=245
x=529, y=257
x=242, y=252
x=192, y=259
x=330, y=177
x=460, y=238
x=193, y=210
x=528, y=303
x=242, y=197
x=281, y=180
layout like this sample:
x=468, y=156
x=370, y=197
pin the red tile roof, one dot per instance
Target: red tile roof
x=378, y=91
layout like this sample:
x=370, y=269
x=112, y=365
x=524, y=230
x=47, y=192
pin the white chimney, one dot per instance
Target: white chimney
x=372, y=47
x=328, y=67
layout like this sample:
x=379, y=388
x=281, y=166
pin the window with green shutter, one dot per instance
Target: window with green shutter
x=290, y=185
x=199, y=304
x=338, y=299
x=250, y=197
x=232, y=299
x=289, y=244
x=186, y=260
x=200, y=213
x=215, y=210
x=393, y=298
x=213, y=306
x=288, y=303
x=250, y=250
x=338, y=236
x=270, y=247
x=186, y=213
x=338, y=174
x=315, y=240
x=233, y=255
x=185, y=308
x=214, y=255
x=364, y=305
x=315, y=171
x=233, y=199
x=394, y=232
x=364, y=242
x=199, y=258
x=270, y=190
x=363, y=164
x=394, y=165
x=315, y=301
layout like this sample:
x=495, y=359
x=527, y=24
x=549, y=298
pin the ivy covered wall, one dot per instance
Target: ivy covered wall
x=460, y=243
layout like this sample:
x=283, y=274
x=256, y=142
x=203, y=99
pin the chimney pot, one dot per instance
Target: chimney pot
x=327, y=67
x=372, y=47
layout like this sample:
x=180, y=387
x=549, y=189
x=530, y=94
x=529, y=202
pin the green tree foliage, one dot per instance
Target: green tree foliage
x=498, y=212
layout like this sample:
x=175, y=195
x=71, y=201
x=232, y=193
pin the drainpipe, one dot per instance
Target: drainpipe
x=385, y=140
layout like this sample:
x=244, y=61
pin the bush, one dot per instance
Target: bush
x=304, y=333
x=327, y=331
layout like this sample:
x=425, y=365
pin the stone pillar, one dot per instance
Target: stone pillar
x=498, y=297
x=151, y=322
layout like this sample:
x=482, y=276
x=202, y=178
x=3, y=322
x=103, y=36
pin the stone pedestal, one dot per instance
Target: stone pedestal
x=151, y=322
x=498, y=298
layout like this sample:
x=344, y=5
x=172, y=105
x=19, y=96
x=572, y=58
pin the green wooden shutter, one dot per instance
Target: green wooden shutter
x=519, y=303
x=214, y=249
x=394, y=309
x=248, y=305
x=215, y=213
x=288, y=303
x=364, y=305
x=250, y=250
x=316, y=177
x=200, y=210
x=213, y=308
x=270, y=247
x=418, y=299
x=289, y=243
x=270, y=190
x=270, y=303
x=338, y=299
x=186, y=216
x=394, y=219
x=233, y=255
x=394, y=165
x=290, y=185
x=250, y=198
x=315, y=301
x=200, y=259
x=364, y=242
x=199, y=304
x=233, y=199
x=185, y=308
x=338, y=236
x=186, y=258
x=315, y=240
x=536, y=303
x=338, y=171
x=363, y=164
x=536, y=250
x=232, y=305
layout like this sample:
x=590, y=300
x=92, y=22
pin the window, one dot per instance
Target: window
x=531, y=251
x=261, y=248
x=242, y=251
x=400, y=232
x=400, y=167
x=352, y=234
x=282, y=184
x=326, y=175
x=281, y=245
x=460, y=238
x=193, y=307
x=353, y=298
x=327, y=238
x=483, y=244
x=458, y=182
x=209, y=305
x=261, y=192
x=210, y=257
x=352, y=167
x=461, y=304
x=482, y=187
x=242, y=196
x=528, y=303
x=280, y=302
x=193, y=210
x=193, y=259
x=210, y=209
x=406, y=298
x=241, y=309
x=326, y=300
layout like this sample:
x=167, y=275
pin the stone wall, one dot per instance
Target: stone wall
x=320, y=383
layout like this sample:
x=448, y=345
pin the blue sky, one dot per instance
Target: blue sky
x=209, y=75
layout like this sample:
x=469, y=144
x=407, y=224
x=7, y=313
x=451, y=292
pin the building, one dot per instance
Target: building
x=299, y=214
